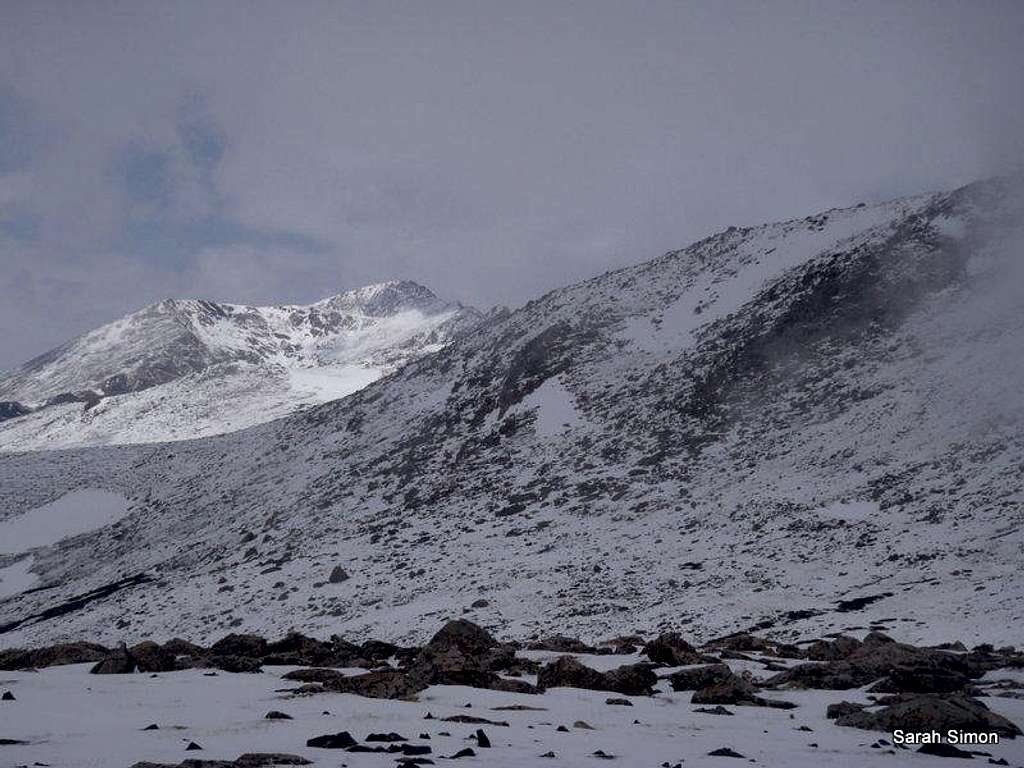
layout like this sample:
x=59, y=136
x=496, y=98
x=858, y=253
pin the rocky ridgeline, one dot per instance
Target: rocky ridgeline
x=914, y=688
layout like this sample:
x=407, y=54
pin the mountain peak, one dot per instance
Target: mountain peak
x=385, y=298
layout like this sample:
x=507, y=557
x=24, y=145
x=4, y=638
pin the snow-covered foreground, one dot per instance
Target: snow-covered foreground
x=78, y=720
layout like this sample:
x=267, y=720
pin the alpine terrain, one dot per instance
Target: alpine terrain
x=798, y=446
x=188, y=368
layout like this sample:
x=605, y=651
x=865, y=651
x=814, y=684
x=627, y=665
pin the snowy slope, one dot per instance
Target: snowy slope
x=189, y=368
x=805, y=426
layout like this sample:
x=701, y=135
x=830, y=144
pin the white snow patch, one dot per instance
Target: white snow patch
x=556, y=408
x=331, y=382
x=74, y=513
x=16, y=578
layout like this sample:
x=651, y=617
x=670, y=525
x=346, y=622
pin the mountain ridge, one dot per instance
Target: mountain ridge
x=359, y=334
x=807, y=427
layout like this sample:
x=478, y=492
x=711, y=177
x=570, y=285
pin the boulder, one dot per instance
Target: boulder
x=379, y=684
x=118, y=662
x=833, y=650
x=695, y=678
x=239, y=664
x=461, y=653
x=338, y=575
x=932, y=712
x=832, y=711
x=342, y=740
x=253, y=646
x=150, y=657
x=871, y=662
x=671, y=650
x=313, y=675
x=52, y=655
x=741, y=641
x=178, y=647
x=632, y=679
x=561, y=644
x=736, y=690
x=567, y=672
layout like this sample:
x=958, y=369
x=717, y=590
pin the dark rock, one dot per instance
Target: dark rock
x=718, y=710
x=296, y=648
x=567, y=672
x=52, y=655
x=260, y=759
x=8, y=696
x=338, y=575
x=833, y=650
x=671, y=650
x=179, y=647
x=387, y=737
x=150, y=657
x=696, y=678
x=724, y=752
x=470, y=719
x=873, y=661
x=251, y=646
x=619, y=702
x=379, y=684
x=237, y=664
x=632, y=679
x=152, y=727
x=467, y=752
x=342, y=740
x=736, y=690
x=832, y=711
x=732, y=690
x=928, y=712
x=944, y=750
x=741, y=641
x=193, y=747
x=313, y=675
x=275, y=715
x=118, y=662
x=481, y=739
x=561, y=644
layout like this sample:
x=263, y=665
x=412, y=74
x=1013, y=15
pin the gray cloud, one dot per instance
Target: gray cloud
x=283, y=151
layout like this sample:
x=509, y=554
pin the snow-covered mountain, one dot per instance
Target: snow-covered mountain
x=187, y=368
x=803, y=426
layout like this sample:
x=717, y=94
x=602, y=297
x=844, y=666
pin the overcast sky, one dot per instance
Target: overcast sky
x=285, y=151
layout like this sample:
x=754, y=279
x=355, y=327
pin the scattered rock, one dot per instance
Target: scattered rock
x=118, y=662
x=150, y=657
x=695, y=678
x=342, y=740
x=236, y=664
x=931, y=712
x=671, y=650
x=724, y=752
x=832, y=711
x=944, y=750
